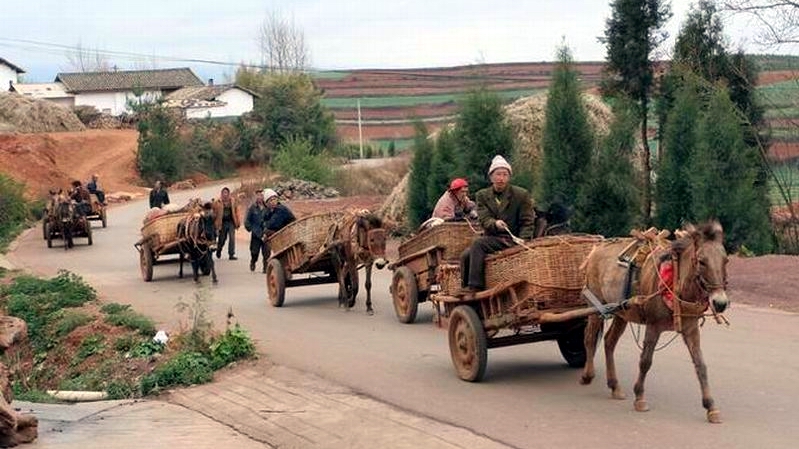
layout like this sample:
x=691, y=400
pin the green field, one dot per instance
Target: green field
x=414, y=100
x=788, y=174
x=330, y=74
x=779, y=95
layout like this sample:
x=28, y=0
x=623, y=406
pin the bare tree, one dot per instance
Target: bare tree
x=82, y=59
x=778, y=19
x=282, y=45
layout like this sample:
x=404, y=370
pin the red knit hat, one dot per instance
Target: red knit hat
x=458, y=183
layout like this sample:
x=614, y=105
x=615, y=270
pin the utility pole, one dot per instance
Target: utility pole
x=360, y=133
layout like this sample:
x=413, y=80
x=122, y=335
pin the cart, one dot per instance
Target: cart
x=53, y=228
x=159, y=239
x=534, y=293
x=416, y=270
x=300, y=256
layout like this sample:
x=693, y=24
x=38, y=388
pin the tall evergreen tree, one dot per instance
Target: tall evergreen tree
x=568, y=138
x=419, y=208
x=673, y=186
x=724, y=175
x=632, y=34
x=608, y=202
x=443, y=167
x=481, y=132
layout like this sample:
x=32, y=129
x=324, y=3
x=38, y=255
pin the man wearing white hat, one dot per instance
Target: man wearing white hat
x=504, y=211
x=277, y=216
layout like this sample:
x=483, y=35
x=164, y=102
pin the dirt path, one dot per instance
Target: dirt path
x=47, y=160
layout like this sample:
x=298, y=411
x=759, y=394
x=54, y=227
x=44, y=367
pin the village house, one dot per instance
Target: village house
x=212, y=101
x=9, y=75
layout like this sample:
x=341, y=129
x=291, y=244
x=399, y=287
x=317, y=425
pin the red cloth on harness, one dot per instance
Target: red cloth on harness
x=666, y=283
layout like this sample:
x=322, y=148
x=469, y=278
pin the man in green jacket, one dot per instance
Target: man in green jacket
x=503, y=210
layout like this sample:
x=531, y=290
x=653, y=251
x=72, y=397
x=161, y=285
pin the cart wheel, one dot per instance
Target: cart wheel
x=49, y=232
x=146, y=262
x=103, y=216
x=276, y=282
x=572, y=347
x=405, y=294
x=467, y=344
x=89, y=232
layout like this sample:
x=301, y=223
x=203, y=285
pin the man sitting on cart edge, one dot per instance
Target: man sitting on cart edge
x=276, y=217
x=454, y=204
x=94, y=188
x=503, y=210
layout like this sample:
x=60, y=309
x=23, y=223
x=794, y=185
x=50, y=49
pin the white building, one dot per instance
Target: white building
x=212, y=101
x=54, y=92
x=9, y=75
x=111, y=92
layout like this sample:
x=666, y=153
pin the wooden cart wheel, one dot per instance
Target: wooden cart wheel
x=405, y=295
x=49, y=232
x=467, y=344
x=146, y=260
x=103, y=216
x=572, y=347
x=276, y=282
x=88, y=231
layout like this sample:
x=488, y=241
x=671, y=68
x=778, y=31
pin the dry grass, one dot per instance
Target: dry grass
x=26, y=115
x=381, y=179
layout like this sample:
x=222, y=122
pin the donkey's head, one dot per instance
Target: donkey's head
x=703, y=263
x=372, y=237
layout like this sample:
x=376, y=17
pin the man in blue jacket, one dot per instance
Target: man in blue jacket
x=277, y=216
x=254, y=223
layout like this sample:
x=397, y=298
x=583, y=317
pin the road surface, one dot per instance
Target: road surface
x=529, y=399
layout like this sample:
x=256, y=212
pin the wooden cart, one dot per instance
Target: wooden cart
x=53, y=228
x=300, y=256
x=534, y=294
x=98, y=212
x=416, y=270
x=159, y=239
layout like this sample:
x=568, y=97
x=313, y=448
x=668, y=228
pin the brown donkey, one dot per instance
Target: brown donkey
x=698, y=261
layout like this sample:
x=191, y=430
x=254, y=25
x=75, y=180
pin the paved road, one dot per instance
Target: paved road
x=529, y=398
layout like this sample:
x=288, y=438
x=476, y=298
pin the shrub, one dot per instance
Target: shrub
x=187, y=368
x=296, y=159
x=234, y=344
x=71, y=320
x=132, y=320
x=13, y=209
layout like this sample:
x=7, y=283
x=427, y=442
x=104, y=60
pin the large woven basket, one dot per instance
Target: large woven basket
x=551, y=267
x=162, y=229
x=310, y=231
x=454, y=237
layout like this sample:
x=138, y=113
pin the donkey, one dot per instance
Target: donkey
x=196, y=237
x=697, y=261
x=357, y=240
x=62, y=214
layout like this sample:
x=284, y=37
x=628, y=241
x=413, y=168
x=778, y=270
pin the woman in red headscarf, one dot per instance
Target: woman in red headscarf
x=455, y=204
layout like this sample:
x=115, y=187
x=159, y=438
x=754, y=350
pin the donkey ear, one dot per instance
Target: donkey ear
x=713, y=231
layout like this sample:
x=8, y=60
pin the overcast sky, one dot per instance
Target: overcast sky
x=339, y=33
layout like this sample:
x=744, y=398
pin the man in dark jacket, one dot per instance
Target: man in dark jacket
x=277, y=216
x=94, y=188
x=254, y=224
x=504, y=211
x=158, y=196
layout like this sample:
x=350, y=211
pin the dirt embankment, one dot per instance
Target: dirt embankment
x=52, y=160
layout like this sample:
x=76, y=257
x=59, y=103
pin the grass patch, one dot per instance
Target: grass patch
x=71, y=320
x=133, y=321
x=329, y=75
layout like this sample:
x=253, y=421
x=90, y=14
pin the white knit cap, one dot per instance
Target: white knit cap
x=269, y=193
x=499, y=162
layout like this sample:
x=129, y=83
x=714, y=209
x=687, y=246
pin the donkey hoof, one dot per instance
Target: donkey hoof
x=641, y=406
x=214, y=280
x=618, y=394
x=714, y=417
x=370, y=312
x=586, y=380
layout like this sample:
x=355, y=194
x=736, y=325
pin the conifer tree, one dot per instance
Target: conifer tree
x=419, y=208
x=568, y=138
x=481, y=132
x=673, y=205
x=608, y=202
x=724, y=171
x=443, y=166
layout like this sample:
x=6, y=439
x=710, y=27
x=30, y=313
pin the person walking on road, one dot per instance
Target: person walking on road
x=158, y=196
x=254, y=224
x=226, y=219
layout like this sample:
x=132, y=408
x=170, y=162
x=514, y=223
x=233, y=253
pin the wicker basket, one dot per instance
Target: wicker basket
x=449, y=278
x=551, y=268
x=162, y=229
x=454, y=237
x=310, y=231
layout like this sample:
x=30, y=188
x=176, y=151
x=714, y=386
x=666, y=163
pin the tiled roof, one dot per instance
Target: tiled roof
x=204, y=93
x=13, y=67
x=128, y=79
